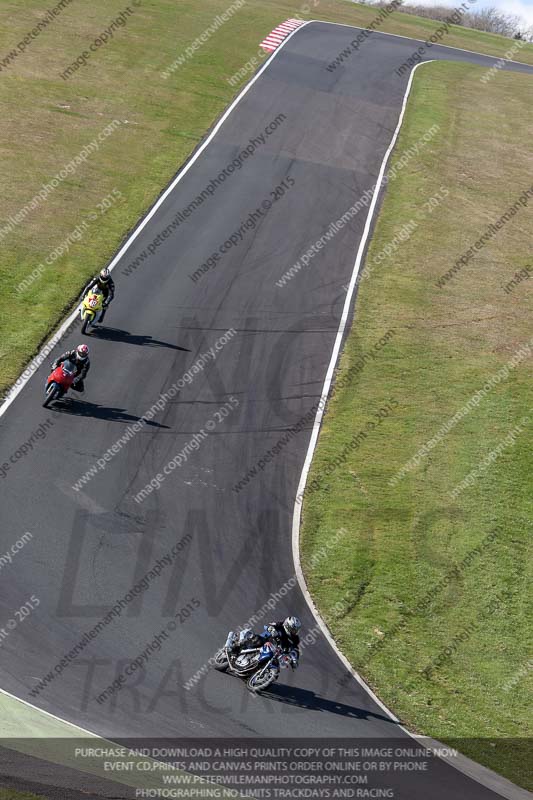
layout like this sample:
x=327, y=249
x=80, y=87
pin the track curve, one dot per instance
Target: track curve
x=91, y=545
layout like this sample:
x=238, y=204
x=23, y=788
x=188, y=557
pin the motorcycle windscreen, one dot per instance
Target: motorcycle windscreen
x=68, y=367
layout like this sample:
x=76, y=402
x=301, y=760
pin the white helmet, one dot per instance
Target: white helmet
x=82, y=351
x=292, y=625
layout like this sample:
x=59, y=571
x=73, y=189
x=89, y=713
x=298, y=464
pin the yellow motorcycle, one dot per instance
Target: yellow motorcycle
x=91, y=307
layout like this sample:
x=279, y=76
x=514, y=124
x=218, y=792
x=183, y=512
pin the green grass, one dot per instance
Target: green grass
x=403, y=539
x=11, y=794
x=47, y=121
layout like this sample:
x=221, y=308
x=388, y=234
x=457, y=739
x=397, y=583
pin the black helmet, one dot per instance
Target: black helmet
x=105, y=275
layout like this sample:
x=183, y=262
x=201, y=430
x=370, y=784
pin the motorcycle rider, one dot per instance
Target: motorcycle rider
x=80, y=358
x=105, y=283
x=285, y=633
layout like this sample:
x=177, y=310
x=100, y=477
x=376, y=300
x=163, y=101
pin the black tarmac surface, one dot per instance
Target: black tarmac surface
x=91, y=546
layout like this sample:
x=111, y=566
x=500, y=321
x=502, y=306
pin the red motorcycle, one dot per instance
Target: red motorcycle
x=59, y=382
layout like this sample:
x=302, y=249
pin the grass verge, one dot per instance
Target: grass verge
x=402, y=539
x=48, y=121
x=427, y=592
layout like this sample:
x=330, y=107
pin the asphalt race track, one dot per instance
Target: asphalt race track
x=91, y=546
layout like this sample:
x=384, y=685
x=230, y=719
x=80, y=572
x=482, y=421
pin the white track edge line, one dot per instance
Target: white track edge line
x=320, y=413
x=59, y=333
x=313, y=442
x=52, y=716
x=424, y=41
x=15, y=390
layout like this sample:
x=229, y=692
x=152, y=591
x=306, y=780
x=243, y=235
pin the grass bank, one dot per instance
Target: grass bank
x=427, y=592
x=402, y=539
x=134, y=126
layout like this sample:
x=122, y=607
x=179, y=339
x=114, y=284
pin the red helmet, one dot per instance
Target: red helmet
x=82, y=351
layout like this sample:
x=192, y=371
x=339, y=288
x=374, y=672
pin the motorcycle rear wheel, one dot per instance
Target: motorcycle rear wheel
x=259, y=682
x=221, y=661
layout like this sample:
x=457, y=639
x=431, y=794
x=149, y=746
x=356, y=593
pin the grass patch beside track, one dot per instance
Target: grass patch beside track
x=387, y=590
x=404, y=538
x=47, y=121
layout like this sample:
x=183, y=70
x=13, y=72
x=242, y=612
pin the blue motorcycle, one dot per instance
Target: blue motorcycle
x=260, y=665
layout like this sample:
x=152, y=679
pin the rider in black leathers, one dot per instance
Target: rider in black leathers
x=106, y=284
x=80, y=358
x=285, y=633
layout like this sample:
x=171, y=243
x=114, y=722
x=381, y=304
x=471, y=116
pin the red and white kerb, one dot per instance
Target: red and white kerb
x=280, y=33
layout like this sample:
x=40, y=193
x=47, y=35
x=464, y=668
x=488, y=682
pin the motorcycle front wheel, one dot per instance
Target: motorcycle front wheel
x=52, y=393
x=85, y=324
x=261, y=680
x=221, y=661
